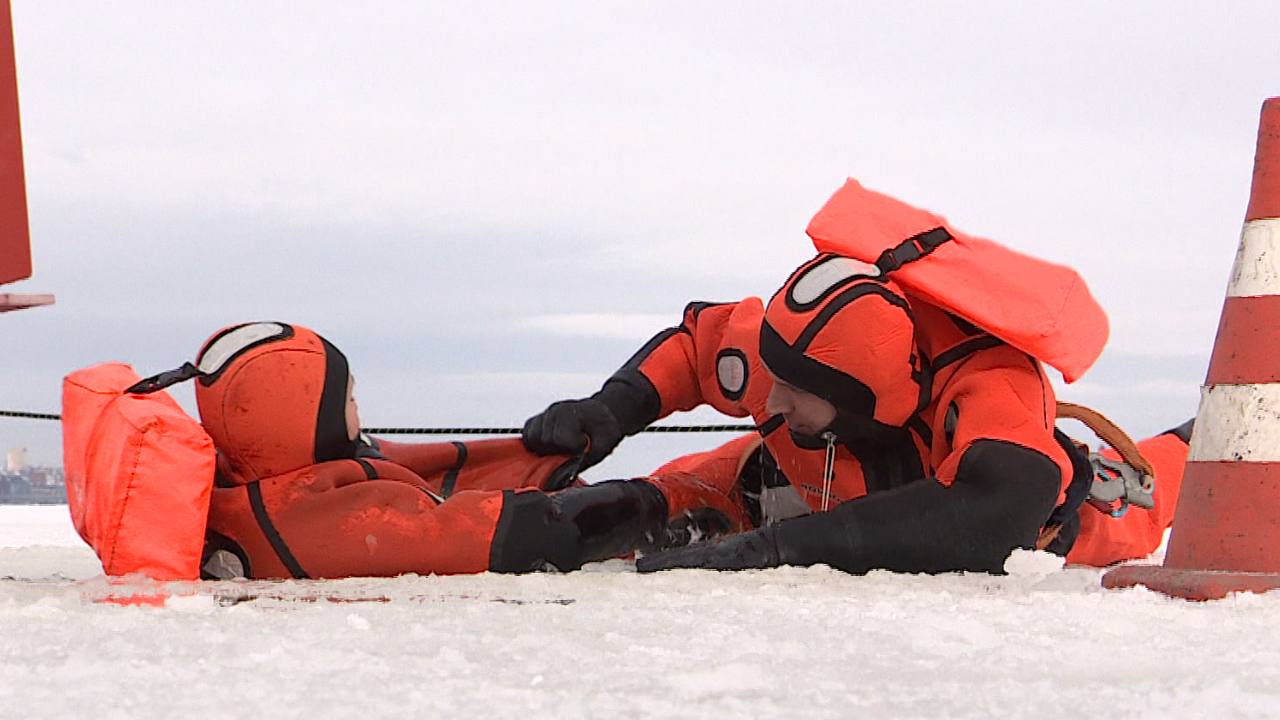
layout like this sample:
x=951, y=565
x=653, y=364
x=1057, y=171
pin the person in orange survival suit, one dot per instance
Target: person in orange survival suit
x=300, y=493
x=894, y=435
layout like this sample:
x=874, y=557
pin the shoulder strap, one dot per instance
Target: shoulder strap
x=164, y=379
x=911, y=249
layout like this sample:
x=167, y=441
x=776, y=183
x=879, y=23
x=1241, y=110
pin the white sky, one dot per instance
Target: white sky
x=490, y=206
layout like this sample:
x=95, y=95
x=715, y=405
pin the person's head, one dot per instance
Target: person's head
x=275, y=398
x=839, y=342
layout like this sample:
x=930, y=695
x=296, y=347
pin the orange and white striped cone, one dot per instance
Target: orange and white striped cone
x=1226, y=530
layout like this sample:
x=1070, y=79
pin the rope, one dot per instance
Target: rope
x=1109, y=433
x=457, y=430
x=516, y=431
x=33, y=416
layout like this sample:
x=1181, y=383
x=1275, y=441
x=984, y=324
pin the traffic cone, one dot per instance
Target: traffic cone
x=1226, y=530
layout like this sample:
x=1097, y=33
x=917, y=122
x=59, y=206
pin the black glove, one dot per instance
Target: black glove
x=573, y=427
x=754, y=549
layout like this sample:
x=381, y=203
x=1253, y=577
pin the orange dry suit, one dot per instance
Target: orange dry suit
x=299, y=494
x=942, y=455
x=943, y=436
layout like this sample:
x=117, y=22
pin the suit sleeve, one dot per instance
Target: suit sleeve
x=1000, y=497
x=711, y=358
x=997, y=394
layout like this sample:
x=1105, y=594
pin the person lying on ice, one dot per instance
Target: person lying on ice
x=895, y=432
x=300, y=493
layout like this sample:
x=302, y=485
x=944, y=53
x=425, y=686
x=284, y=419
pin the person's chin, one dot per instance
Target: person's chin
x=807, y=440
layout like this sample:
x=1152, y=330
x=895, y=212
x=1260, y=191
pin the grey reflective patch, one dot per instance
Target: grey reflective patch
x=224, y=565
x=821, y=277
x=781, y=503
x=222, y=349
x=731, y=372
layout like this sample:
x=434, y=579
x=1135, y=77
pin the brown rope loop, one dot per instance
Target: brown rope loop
x=1109, y=433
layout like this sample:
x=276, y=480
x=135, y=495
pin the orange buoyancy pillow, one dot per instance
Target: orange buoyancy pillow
x=139, y=471
x=1039, y=307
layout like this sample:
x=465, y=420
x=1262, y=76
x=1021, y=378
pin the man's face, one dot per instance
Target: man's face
x=805, y=413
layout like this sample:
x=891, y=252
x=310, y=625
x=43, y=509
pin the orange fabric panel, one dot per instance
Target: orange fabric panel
x=999, y=394
x=1040, y=307
x=139, y=471
x=496, y=464
x=707, y=480
x=1105, y=540
x=684, y=368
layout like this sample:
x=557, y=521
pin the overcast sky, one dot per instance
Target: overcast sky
x=490, y=206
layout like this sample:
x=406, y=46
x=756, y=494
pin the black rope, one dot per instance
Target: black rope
x=33, y=416
x=458, y=430
x=516, y=431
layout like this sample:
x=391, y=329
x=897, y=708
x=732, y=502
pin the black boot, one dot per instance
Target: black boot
x=612, y=518
x=576, y=526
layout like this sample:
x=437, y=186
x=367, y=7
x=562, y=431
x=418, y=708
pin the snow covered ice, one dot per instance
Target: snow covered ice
x=1043, y=642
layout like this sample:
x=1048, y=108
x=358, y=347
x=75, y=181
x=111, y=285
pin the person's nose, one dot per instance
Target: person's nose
x=779, y=401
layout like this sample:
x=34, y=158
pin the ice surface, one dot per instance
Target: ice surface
x=808, y=643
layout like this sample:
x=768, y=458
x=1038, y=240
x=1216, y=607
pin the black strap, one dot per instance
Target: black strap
x=563, y=476
x=272, y=535
x=370, y=472
x=912, y=249
x=165, y=379
x=451, y=477
x=965, y=349
x=921, y=428
x=1081, y=480
x=770, y=425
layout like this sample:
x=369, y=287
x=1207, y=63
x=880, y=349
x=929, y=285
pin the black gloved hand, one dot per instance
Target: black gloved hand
x=572, y=427
x=754, y=549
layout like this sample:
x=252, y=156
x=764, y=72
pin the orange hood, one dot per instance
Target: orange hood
x=840, y=330
x=273, y=398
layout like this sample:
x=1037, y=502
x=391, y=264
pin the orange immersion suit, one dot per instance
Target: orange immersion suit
x=299, y=495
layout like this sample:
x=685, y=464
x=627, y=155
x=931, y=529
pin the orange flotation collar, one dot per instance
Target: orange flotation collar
x=139, y=474
x=1039, y=307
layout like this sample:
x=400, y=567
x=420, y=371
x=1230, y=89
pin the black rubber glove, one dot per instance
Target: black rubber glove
x=754, y=549
x=573, y=427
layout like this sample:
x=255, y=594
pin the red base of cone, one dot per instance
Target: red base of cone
x=1190, y=584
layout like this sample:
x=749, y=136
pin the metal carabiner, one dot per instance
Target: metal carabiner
x=1114, y=481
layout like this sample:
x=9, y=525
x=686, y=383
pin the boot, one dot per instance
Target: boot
x=612, y=518
x=569, y=528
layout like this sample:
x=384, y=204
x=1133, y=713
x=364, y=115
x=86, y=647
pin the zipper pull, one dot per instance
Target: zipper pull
x=829, y=469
